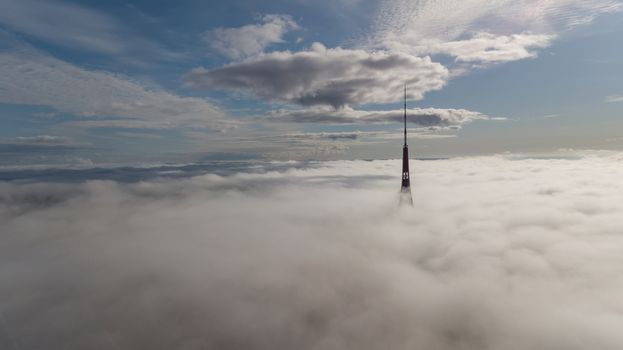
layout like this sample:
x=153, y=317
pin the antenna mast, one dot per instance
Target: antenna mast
x=405, y=185
x=405, y=109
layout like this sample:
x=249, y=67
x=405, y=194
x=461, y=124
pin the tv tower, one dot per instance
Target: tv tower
x=405, y=187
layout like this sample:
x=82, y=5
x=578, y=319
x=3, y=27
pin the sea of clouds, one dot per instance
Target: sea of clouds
x=498, y=252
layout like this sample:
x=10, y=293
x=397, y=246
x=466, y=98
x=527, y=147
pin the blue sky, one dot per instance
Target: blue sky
x=90, y=82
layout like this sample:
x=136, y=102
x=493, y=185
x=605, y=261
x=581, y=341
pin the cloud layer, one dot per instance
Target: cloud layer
x=614, y=98
x=449, y=20
x=322, y=76
x=80, y=28
x=481, y=31
x=497, y=253
x=423, y=117
x=480, y=47
x=34, y=79
x=43, y=140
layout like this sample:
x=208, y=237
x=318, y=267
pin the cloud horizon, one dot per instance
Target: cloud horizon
x=499, y=252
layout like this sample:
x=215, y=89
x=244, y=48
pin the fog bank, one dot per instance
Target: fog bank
x=497, y=253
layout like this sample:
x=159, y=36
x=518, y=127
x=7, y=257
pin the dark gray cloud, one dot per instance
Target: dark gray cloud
x=423, y=117
x=497, y=253
x=321, y=76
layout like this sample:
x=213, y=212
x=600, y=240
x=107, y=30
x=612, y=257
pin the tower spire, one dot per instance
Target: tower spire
x=405, y=187
x=405, y=109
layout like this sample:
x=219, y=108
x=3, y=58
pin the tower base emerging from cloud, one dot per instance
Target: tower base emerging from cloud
x=405, y=196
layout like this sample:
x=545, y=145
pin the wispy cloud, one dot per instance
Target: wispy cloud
x=423, y=117
x=31, y=148
x=449, y=20
x=139, y=135
x=250, y=39
x=51, y=141
x=482, y=30
x=63, y=24
x=43, y=139
x=614, y=98
x=479, y=47
x=32, y=78
x=80, y=28
x=352, y=135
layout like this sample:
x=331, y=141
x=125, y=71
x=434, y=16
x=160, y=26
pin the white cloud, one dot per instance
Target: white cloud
x=252, y=39
x=34, y=79
x=282, y=143
x=505, y=29
x=43, y=139
x=614, y=98
x=139, y=135
x=480, y=47
x=497, y=253
x=323, y=76
x=45, y=144
x=449, y=20
x=345, y=135
x=62, y=23
x=308, y=145
x=77, y=27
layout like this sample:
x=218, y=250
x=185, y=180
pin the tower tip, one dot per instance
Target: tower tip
x=405, y=112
